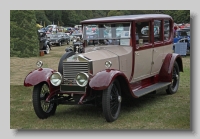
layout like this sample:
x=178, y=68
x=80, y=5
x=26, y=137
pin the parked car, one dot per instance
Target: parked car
x=59, y=38
x=74, y=36
x=183, y=36
x=54, y=27
x=44, y=42
x=65, y=37
x=106, y=73
x=91, y=38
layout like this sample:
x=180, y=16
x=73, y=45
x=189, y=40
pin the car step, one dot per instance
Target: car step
x=150, y=89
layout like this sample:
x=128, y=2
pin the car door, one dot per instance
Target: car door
x=162, y=45
x=143, y=51
x=158, y=49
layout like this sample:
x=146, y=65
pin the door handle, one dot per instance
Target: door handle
x=137, y=53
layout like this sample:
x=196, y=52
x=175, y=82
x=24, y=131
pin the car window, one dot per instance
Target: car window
x=143, y=33
x=166, y=30
x=114, y=33
x=157, y=30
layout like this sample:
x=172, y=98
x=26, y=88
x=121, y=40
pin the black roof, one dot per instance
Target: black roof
x=126, y=18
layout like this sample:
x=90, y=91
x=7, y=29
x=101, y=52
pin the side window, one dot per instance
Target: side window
x=166, y=30
x=143, y=33
x=157, y=31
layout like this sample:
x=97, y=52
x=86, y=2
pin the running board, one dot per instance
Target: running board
x=150, y=89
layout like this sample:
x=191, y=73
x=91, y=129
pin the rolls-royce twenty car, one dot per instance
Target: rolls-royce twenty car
x=130, y=64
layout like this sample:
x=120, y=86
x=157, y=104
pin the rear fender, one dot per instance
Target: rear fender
x=167, y=67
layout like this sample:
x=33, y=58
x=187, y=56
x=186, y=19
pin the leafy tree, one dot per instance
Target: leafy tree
x=41, y=18
x=23, y=34
x=115, y=13
x=179, y=16
x=54, y=16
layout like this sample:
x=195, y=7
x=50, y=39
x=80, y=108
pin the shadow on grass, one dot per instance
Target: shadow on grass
x=78, y=111
x=93, y=112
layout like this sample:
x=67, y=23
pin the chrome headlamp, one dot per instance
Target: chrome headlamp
x=39, y=64
x=82, y=79
x=108, y=64
x=56, y=79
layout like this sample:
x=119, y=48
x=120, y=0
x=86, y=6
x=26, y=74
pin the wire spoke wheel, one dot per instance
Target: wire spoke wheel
x=111, y=101
x=42, y=108
x=114, y=103
x=173, y=87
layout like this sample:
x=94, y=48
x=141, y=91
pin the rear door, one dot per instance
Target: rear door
x=158, y=49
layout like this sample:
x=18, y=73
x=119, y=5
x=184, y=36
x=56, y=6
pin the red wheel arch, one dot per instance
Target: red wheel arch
x=167, y=67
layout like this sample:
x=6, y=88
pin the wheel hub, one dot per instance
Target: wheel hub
x=119, y=99
x=176, y=76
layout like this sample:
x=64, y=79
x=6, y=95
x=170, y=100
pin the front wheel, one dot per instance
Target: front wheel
x=42, y=108
x=173, y=87
x=111, y=101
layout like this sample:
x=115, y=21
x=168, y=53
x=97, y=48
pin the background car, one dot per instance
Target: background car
x=59, y=38
x=65, y=37
x=44, y=42
x=182, y=36
x=75, y=35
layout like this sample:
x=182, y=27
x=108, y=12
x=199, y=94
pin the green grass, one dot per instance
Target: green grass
x=153, y=111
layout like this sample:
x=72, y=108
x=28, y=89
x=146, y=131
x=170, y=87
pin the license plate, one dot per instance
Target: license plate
x=72, y=88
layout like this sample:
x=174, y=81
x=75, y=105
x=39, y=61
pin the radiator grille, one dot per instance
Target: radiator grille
x=71, y=69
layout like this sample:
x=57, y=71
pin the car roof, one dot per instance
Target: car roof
x=127, y=18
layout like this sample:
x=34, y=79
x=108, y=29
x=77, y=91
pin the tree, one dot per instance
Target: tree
x=179, y=16
x=41, y=18
x=54, y=16
x=23, y=34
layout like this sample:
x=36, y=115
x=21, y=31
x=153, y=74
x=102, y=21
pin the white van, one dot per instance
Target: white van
x=53, y=27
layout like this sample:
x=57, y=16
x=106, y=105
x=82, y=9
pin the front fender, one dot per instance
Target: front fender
x=104, y=78
x=38, y=76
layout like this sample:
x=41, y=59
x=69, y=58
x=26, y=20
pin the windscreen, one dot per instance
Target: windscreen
x=107, y=31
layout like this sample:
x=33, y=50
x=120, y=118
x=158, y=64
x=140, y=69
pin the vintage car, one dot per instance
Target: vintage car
x=129, y=65
x=44, y=42
x=59, y=38
x=74, y=36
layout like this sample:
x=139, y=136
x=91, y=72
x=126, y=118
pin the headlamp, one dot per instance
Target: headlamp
x=82, y=79
x=56, y=79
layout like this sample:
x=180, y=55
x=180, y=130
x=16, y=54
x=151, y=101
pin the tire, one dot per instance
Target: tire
x=111, y=101
x=42, y=109
x=66, y=55
x=60, y=44
x=47, y=49
x=173, y=87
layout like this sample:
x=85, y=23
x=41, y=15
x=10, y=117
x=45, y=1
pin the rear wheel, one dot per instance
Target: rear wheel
x=173, y=87
x=111, y=101
x=47, y=49
x=42, y=108
x=60, y=43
